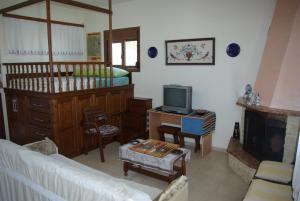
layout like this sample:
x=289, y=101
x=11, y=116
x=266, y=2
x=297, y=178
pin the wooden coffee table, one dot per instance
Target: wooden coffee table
x=134, y=162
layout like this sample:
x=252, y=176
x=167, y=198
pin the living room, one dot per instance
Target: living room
x=215, y=87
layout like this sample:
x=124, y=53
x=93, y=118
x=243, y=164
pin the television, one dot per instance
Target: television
x=177, y=98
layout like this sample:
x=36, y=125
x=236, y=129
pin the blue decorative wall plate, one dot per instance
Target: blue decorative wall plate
x=233, y=50
x=152, y=52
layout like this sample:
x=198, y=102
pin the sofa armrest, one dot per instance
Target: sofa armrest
x=176, y=191
x=45, y=146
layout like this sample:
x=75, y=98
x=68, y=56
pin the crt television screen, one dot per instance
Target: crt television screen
x=175, y=97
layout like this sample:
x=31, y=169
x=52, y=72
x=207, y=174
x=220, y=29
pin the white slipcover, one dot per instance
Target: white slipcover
x=65, y=180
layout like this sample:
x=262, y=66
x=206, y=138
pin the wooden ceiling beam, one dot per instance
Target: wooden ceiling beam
x=41, y=20
x=84, y=5
x=19, y=5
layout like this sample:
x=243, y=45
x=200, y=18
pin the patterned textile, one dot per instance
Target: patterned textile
x=261, y=190
x=164, y=164
x=177, y=190
x=45, y=146
x=104, y=129
x=275, y=171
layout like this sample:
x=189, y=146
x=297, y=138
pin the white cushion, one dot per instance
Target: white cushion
x=176, y=191
x=275, y=171
x=261, y=190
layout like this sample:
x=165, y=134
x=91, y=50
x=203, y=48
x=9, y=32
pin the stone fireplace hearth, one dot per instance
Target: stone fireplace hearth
x=277, y=140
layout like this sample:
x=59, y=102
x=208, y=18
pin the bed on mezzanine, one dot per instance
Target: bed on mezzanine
x=46, y=99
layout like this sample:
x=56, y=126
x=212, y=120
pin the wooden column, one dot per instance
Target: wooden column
x=49, y=34
x=110, y=43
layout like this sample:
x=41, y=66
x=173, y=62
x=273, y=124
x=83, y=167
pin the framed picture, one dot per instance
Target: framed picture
x=200, y=51
x=93, y=46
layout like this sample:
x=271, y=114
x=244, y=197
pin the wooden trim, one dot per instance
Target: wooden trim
x=84, y=5
x=94, y=33
x=41, y=20
x=49, y=35
x=80, y=62
x=261, y=108
x=19, y=5
x=28, y=63
x=110, y=42
x=67, y=94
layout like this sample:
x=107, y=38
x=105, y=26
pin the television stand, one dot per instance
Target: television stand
x=159, y=109
x=157, y=118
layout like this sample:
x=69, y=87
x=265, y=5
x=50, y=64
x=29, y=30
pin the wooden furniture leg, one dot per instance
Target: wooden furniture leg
x=197, y=143
x=125, y=168
x=85, y=144
x=206, y=144
x=181, y=139
x=101, y=149
x=183, y=165
x=179, y=170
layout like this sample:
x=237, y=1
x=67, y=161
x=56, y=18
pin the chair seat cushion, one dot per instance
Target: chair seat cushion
x=105, y=130
x=275, y=171
x=261, y=190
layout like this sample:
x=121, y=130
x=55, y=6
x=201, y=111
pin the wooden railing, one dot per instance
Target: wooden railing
x=63, y=77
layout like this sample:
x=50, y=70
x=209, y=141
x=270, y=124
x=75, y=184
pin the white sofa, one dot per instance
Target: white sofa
x=33, y=176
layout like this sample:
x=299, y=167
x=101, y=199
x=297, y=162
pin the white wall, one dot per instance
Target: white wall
x=216, y=87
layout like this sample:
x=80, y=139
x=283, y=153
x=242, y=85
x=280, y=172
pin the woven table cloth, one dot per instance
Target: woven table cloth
x=164, y=164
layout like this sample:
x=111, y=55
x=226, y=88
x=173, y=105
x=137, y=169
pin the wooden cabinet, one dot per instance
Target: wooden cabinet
x=32, y=116
x=134, y=121
x=2, y=128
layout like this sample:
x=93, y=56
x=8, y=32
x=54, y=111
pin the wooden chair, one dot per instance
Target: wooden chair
x=173, y=131
x=96, y=124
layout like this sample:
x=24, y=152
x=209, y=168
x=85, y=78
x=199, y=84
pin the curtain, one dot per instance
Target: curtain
x=25, y=38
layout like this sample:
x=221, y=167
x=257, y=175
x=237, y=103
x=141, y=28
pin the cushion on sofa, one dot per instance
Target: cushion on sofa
x=46, y=147
x=261, y=190
x=275, y=171
x=151, y=191
x=176, y=191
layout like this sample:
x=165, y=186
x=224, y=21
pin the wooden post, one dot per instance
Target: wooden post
x=67, y=77
x=48, y=10
x=88, y=75
x=59, y=78
x=110, y=45
x=94, y=76
x=74, y=77
x=42, y=75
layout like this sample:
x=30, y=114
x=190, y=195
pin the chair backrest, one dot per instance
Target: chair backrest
x=94, y=114
x=296, y=175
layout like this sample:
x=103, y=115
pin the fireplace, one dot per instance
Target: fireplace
x=264, y=135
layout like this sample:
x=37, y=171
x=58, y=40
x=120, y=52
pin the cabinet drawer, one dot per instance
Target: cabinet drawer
x=40, y=118
x=139, y=105
x=36, y=133
x=39, y=104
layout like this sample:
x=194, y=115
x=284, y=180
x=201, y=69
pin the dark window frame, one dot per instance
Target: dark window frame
x=121, y=36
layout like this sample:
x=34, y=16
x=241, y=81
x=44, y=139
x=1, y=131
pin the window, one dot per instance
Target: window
x=125, y=48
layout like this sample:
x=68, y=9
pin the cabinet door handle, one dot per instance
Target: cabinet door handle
x=39, y=120
x=39, y=134
x=37, y=105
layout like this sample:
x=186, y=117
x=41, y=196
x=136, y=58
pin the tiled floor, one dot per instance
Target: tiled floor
x=210, y=178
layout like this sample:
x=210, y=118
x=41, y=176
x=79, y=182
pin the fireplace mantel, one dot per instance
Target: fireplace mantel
x=241, y=102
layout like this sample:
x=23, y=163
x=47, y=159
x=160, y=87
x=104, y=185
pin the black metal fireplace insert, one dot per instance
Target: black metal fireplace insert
x=264, y=135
